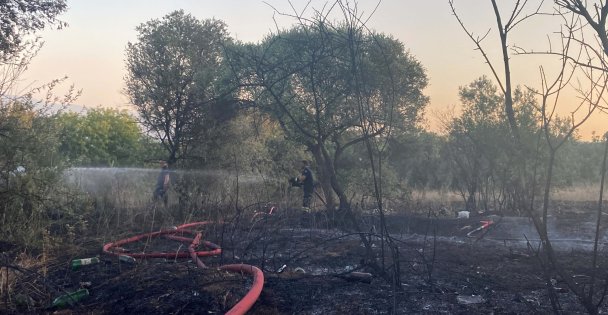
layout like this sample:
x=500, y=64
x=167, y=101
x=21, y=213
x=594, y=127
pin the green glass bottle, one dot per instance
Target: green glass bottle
x=70, y=298
x=77, y=263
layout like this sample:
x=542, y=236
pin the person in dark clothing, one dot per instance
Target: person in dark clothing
x=307, y=181
x=162, y=183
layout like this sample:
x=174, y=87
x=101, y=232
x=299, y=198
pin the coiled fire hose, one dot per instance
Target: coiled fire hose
x=114, y=249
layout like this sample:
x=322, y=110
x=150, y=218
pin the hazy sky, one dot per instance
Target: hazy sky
x=91, y=51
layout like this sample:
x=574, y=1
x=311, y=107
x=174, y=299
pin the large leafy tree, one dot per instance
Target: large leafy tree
x=327, y=84
x=101, y=137
x=174, y=74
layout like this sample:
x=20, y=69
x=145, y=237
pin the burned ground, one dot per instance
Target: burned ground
x=442, y=272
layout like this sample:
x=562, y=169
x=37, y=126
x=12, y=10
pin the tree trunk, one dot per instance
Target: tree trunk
x=324, y=178
x=471, y=202
x=337, y=187
x=329, y=180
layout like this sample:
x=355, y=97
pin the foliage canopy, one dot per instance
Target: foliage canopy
x=174, y=71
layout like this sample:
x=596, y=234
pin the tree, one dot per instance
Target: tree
x=479, y=144
x=579, y=58
x=29, y=164
x=19, y=18
x=578, y=163
x=174, y=74
x=332, y=86
x=418, y=161
x=305, y=79
x=102, y=137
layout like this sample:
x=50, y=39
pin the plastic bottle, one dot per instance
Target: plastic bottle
x=70, y=298
x=77, y=263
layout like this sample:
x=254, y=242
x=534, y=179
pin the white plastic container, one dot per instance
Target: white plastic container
x=463, y=214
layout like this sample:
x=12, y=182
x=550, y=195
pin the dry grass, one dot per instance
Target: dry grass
x=10, y=277
x=436, y=196
x=123, y=197
x=579, y=192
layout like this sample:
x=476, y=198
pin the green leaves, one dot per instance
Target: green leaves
x=313, y=80
x=19, y=18
x=332, y=86
x=173, y=73
x=102, y=137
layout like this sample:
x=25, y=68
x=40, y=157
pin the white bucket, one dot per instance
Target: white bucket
x=463, y=214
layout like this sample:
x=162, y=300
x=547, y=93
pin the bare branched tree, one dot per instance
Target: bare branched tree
x=518, y=16
x=375, y=146
x=579, y=58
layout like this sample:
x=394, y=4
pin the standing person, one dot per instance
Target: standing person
x=162, y=183
x=307, y=181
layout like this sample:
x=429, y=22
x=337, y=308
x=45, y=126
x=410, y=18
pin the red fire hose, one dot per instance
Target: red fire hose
x=249, y=299
x=114, y=248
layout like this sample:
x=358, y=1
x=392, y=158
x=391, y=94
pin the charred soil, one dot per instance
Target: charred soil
x=308, y=270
